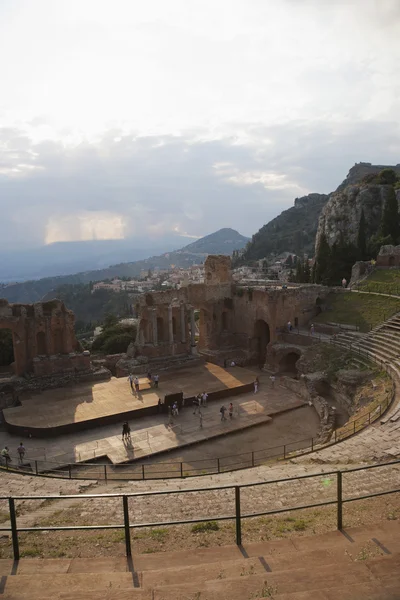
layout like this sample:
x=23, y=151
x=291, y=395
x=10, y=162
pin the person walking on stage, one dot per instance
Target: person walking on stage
x=222, y=411
x=137, y=386
x=130, y=379
x=204, y=398
x=156, y=379
x=21, y=453
x=231, y=411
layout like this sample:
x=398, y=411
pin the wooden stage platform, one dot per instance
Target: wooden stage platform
x=84, y=406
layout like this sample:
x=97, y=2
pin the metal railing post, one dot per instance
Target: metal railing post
x=218, y=465
x=339, y=501
x=143, y=473
x=105, y=473
x=126, y=525
x=14, y=531
x=252, y=458
x=354, y=429
x=181, y=469
x=69, y=471
x=284, y=451
x=312, y=444
x=237, y=516
x=36, y=467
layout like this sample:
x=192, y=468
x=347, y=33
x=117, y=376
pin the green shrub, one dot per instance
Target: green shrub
x=117, y=343
x=204, y=527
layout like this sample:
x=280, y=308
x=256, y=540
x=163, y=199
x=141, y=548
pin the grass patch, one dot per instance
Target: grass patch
x=159, y=534
x=362, y=310
x=383, y=281
x=205, y=527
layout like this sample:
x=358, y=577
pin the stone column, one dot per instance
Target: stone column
x=154, y=323
x=183, y=324
x=192, y=331
x=170, y=327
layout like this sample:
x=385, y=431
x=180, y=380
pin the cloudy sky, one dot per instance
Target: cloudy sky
x=122, y=118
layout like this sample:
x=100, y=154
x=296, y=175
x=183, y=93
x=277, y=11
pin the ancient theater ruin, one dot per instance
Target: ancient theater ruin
x=43, y=338
x=234, y=323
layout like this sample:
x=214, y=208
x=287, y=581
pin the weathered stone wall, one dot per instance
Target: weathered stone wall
x=43, y=337
x=389, y=256
x=232, y=319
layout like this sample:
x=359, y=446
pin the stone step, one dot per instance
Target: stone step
x=35, y=586
x=267, y=585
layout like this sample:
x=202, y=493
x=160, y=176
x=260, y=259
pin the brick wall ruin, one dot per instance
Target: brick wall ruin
x=232, y=320
x=43, y=338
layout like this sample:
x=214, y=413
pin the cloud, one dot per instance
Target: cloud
x=128, y=118
x=127, y=185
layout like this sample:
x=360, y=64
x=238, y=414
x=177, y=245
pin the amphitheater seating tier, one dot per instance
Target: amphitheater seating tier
x=360, y=563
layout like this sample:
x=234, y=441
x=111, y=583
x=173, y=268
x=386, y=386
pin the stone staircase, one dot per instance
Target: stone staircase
x=381, y=345
x=358, y=563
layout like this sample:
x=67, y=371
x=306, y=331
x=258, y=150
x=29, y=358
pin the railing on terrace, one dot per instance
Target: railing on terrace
x=195, y=468
x=238, y=517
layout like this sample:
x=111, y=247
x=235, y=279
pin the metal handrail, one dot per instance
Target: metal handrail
x=237, y=516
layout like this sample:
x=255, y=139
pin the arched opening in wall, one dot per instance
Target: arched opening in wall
x=58, y=341
x=224, y=321
x=287, y=364
x=174, y=329
x=6, y=352
x=262, y=337
x=41, y=347
x=160, y=329
x=392, y=261
x=318, y=308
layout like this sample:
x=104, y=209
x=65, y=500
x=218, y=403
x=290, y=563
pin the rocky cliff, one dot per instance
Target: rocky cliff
x=361, y=170
x=340, y=217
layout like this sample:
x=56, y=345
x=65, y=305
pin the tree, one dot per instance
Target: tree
x=387, y=177
x=109, y=321
x=362, y=238
x=306, y=271
x=390, y=223
x=322, y=260
x=299, y=272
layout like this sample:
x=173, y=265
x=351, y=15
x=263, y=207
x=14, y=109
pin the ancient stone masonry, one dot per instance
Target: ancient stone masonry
x=232, y=321
x=389, y=256
x=43, y=338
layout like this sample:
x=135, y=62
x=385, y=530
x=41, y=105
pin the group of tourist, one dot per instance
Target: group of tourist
x=199, y=401
x=5, y=454
x=135, y=383
x=223, y=411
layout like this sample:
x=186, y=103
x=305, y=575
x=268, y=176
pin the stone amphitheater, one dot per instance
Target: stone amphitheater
x=337, y=564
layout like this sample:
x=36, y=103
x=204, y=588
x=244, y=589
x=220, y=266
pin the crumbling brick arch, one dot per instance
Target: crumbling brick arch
x=160, y=329
x=41, y=344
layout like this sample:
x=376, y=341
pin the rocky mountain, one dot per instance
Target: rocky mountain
x=293, y=230
x=296, y=229
x=360, y=192
x=223, y=241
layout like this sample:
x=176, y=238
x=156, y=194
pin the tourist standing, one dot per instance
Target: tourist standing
x=231, y=411
x=204, y=398
x=130, y=379
x=159, y=405
x=255, y=386
x=156, y=380
x=272, y=378
x=5, y=454
x=175, y=409
x=222, y=411
x=137, y=386
x=344, y=282
x=149, y=377
x=21, y=453
x=289, y=326
x=312, y=329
